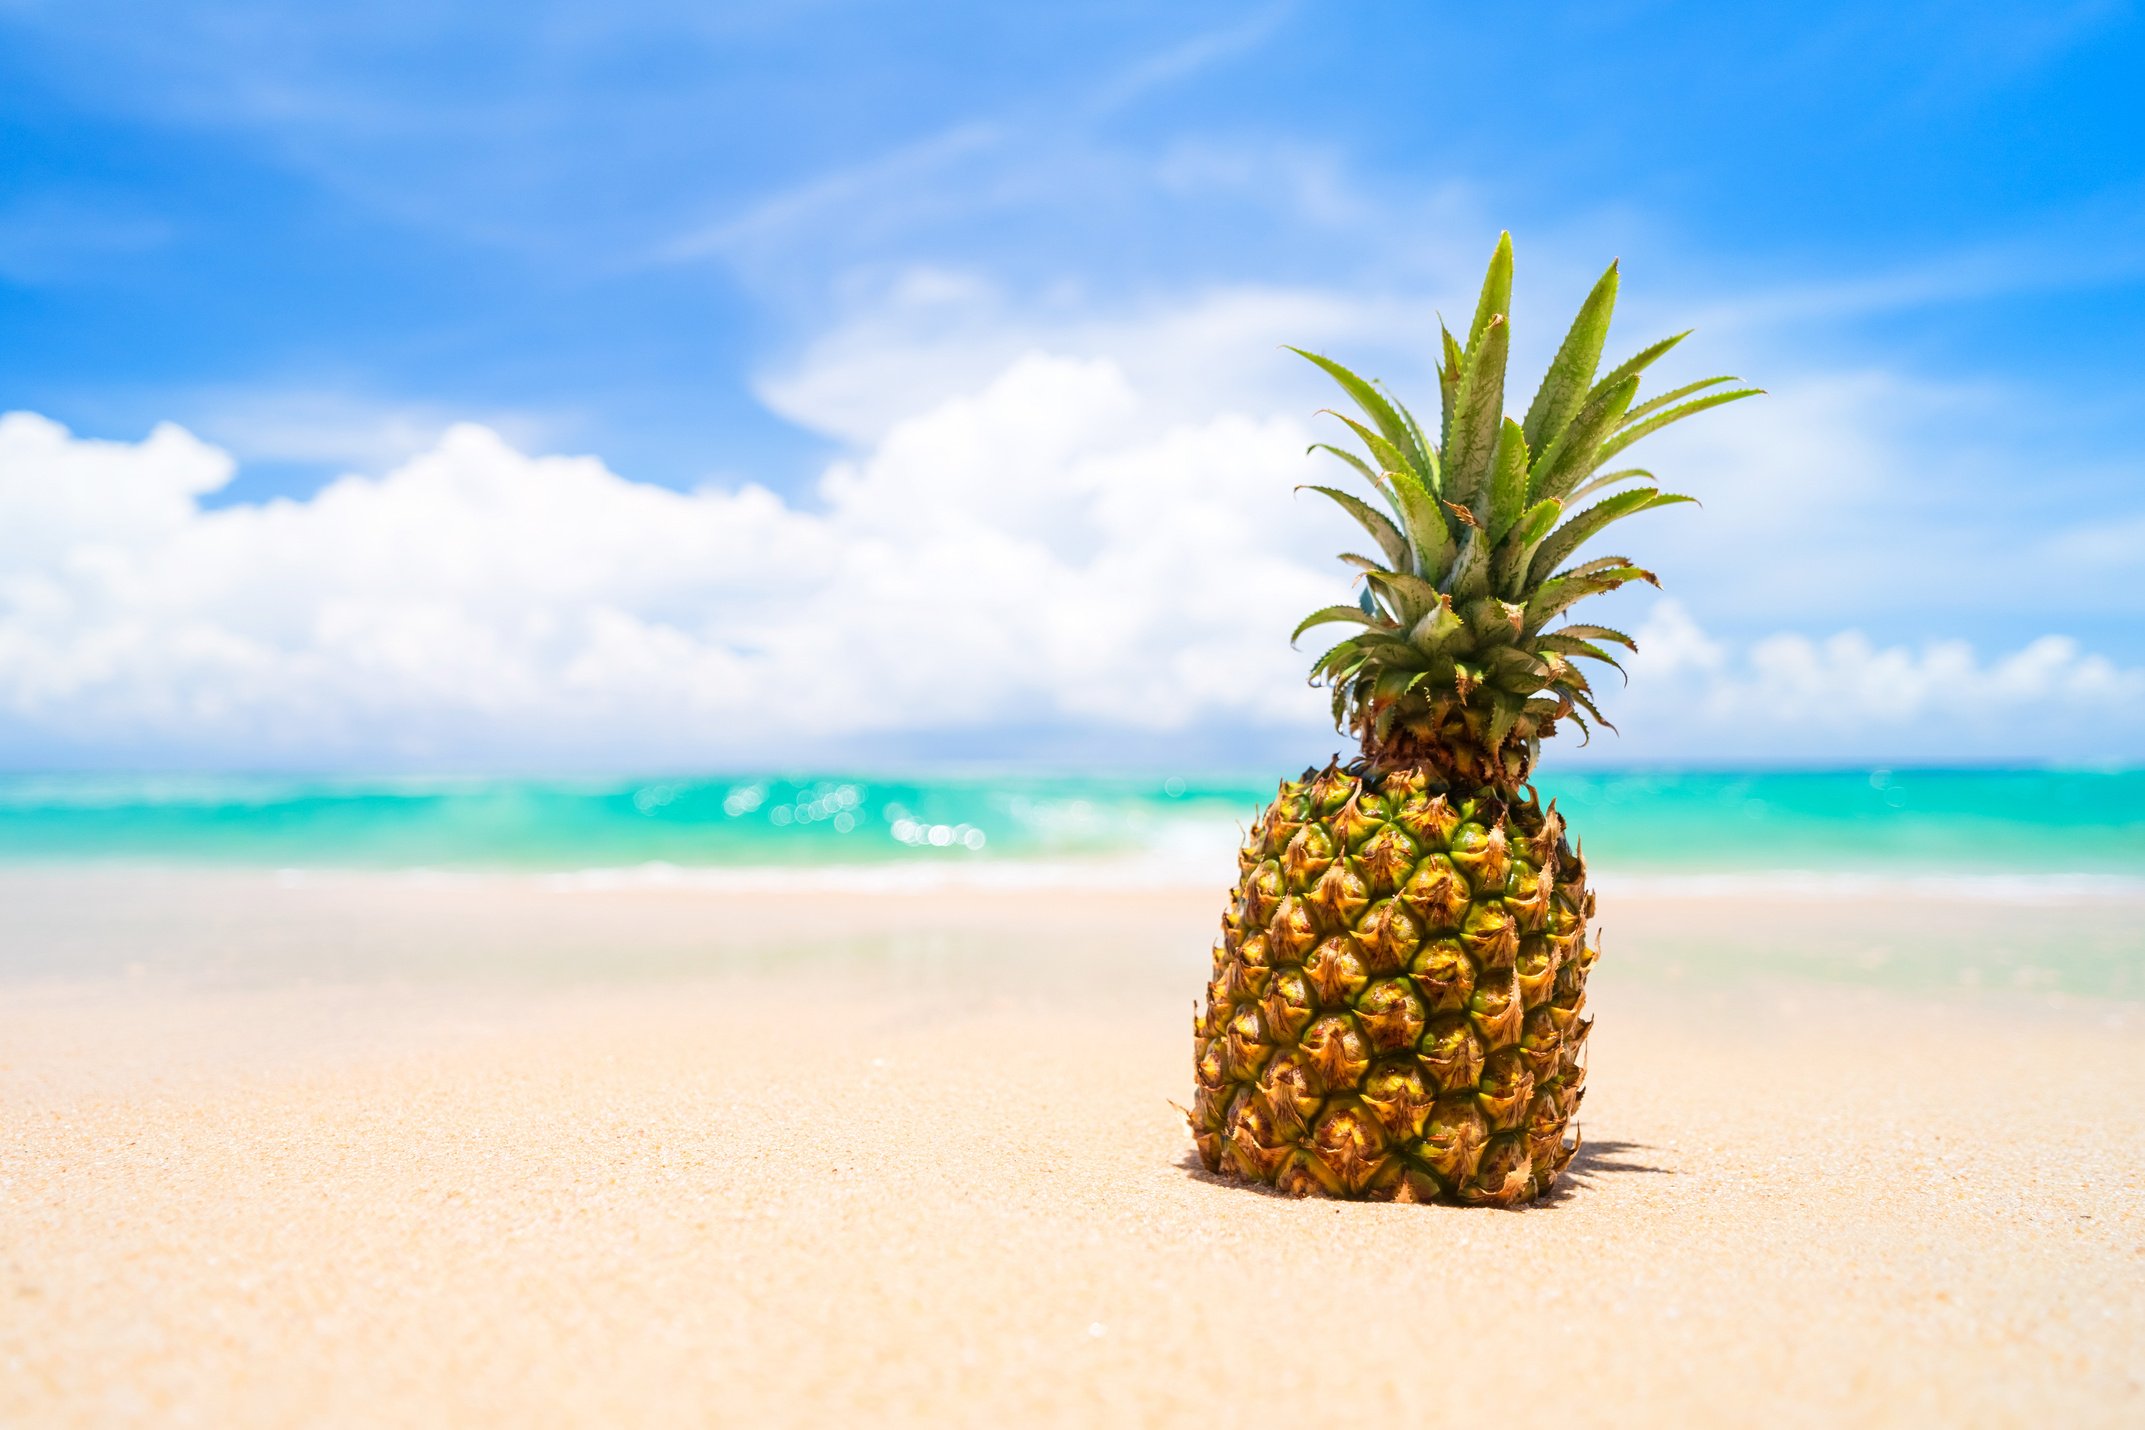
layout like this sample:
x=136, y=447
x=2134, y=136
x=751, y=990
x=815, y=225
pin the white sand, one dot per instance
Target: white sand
x=831, y=1186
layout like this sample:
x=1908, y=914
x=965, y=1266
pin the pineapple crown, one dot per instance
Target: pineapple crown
x=1454, y=666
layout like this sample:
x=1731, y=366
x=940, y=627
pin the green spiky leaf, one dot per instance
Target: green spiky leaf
x=1412, y=596
x=1574, y=533
x=1508, y=483
x=1492, y=621
x=1659, y=420
x=1516, y=670
x=1388, y=457
x=1517, y=549
x=1637, y=363
x=1373, y=403
x=1571, y=371
x=1470, y=574
x=1377, y=523
x=1394, y=654
x=1336, y=658
x=1561, y=593
x=1422, y=447
x=1448, y=385
x=1496, y=299
x=1438, y=628
x=1478, y=415
x=1599, y=633
x=1563, y=643
x=1565, y=676
x=1331, y=615
x=1587, y=704
x=1672, y=396
x=1608, y=479
x=1422, y=521
x=1369, y=474
x=1504, y=714
x=1484, y=538
x=1597, y=565
x=1576, y=452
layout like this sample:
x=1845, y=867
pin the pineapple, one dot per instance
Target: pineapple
x=1397, y=1007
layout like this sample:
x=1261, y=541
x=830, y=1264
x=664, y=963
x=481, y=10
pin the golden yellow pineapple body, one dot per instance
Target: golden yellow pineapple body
x=1396, y=1008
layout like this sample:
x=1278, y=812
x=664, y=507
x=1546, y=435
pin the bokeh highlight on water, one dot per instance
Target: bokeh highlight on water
x=2021, y=825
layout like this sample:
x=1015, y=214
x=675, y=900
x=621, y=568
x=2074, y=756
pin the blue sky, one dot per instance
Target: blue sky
x=720, y=248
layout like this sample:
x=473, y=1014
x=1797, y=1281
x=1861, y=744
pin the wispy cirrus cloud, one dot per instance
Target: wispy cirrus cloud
x=885, y=187
x=916, y=178
x=1183, y=59
x=54, y=237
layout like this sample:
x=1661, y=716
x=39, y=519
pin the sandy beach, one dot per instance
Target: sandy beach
x=368, y=1152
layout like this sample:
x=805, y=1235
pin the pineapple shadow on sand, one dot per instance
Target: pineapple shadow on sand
x=1591, y=1163
x=1396, y=1008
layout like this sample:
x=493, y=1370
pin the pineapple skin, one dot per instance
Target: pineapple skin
x=1396, y=1010
x=1397, y=1003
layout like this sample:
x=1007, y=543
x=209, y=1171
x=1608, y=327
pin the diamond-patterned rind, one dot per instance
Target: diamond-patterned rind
x=1397, y=1008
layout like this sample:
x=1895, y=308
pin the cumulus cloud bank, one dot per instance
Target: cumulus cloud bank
x=1846, y=691
x=1053, y=549
x=1043, y=550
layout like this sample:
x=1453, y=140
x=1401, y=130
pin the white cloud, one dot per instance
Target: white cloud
x=345, y=429
x=936, y=334
x=1023, y=540
x=1846, y=495
x=1044, y=549
x=1800, y=695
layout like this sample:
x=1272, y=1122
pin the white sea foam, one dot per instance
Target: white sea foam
x=1971, y=886
x=982, y=875
x=1150, y=872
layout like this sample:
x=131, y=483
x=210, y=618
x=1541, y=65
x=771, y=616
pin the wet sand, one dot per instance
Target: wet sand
x=374, y=1153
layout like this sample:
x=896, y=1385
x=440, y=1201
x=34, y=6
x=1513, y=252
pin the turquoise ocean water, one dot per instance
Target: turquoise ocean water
x=2024, y=826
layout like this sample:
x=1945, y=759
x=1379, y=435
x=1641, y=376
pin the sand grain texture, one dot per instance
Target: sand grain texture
x=812, y=1195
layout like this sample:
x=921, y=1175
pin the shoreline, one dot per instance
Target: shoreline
x=1101, y=874
x=262, y=928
